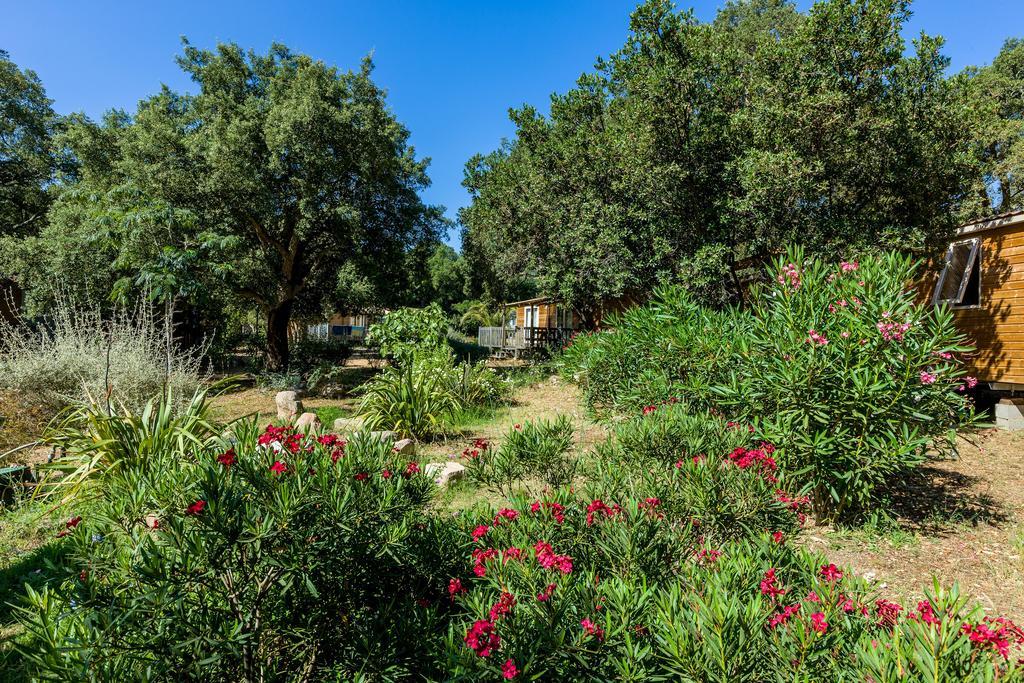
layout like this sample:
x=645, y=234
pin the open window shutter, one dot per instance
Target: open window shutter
x=960, y=258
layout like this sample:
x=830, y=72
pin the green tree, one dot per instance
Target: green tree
x=283, y=181
x=996, y=95
x=447, y=274
x=27, y=159
x=762, y=127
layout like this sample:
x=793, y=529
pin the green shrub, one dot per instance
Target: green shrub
x=308, y=354
x=669, y=347
x=409, y=401
x=698, y=467
x=405, y=332
x=850, y=375
x=425, y=396
x=553, y=590
x=539, y=448
x=78, y=356
x=271, y=557
x=98, y=445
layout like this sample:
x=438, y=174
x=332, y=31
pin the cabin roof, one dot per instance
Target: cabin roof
x=1004, y=220
x=535, y=300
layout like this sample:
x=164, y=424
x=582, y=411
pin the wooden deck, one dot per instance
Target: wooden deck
x=515, y=340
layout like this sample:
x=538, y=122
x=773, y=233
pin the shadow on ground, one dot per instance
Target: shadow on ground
x=936, y=501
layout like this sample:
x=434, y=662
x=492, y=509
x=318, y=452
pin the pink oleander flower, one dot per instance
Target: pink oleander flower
x=480, y=532
x=592, y=629
x=482, y=638
x=830, y=572
x=818, y=622
x=927, y=378
x=509, y=670
x=769, y=585
x=849, y=266
x=814, y=338
x=278, y=467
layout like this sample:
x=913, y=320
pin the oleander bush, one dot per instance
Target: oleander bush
x=272, y=556
x=850, y=374
x=538, y=450
x=559, y=589
x=671, y=346
x=841, y=366
x=700, y=469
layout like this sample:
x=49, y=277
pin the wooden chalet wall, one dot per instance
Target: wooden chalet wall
x=996, y=327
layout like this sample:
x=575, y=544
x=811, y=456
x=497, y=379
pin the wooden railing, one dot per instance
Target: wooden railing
x=519, y=338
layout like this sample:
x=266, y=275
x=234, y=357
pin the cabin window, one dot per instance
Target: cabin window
x=959, y=284
x=564, y=317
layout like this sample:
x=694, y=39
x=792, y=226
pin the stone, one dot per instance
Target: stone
x=444, y=473
x=308, y=422
x=384, y=436
x=347, y=425
x=1010, y=414
x=405, y=447
x=289, y=405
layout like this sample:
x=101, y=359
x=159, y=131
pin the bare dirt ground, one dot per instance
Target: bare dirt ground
x=959, y=521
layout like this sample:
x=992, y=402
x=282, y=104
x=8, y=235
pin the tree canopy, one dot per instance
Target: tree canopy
x=283, y=182
x=703, y=147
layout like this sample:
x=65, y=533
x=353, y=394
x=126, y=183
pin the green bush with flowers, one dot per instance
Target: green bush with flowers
x=270, y=556
x=850, y=374
x=561, y=589
x=840, y=366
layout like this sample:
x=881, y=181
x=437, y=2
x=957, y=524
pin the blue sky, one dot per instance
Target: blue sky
x=452, y=68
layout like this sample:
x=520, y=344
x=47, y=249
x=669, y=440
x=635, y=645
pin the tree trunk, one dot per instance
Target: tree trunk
x=278, y=318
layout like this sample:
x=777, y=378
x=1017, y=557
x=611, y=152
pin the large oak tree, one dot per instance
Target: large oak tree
x=282, y=180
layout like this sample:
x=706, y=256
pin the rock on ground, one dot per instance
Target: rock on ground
x=289, y=404
x=308, y=422
x=444, y=473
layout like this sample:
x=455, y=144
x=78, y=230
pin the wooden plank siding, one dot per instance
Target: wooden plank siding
x=996, y=326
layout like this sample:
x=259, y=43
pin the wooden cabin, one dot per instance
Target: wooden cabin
x=341, y=326
x=529, y=325
x=982, y=280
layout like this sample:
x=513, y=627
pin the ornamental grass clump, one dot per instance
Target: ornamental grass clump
x=850, y=375
x=270, y=555
x=78, y=356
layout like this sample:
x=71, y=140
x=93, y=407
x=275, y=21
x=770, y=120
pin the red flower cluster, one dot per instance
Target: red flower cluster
x=509, y=670
x=759, y=457
x=546, y=595
x=506, y=513
x=887, y=612
x=480, y=532
x=480, y=558
x=512, y=553
x=278, y=468
x=547, y=558
x=478, y=448
x=784, y=616
x=411, y=469
x=830, y=572
x=482, y=638
x=455, y=587
x=769, y=585
x=592, y=629
x=708, y=555
x=997, y=634
x=818, y=622
x=504, y=605
x=598, y=507
x=69, y=525
x=196, y=507
x=557, y=509
x=283, y=438
x=227, y=458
